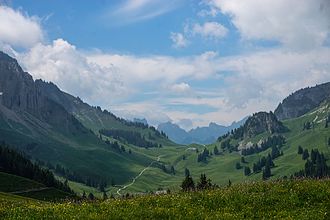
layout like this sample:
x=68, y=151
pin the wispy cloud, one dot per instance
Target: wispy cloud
x=132, y=11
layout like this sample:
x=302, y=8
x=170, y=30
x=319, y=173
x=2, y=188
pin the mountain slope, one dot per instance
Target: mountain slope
x=302, y=101
x=58, y=128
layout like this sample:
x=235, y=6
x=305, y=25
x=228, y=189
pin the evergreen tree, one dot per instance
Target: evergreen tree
x=83, y=195
x=105, y=196
x=300, y=150
x=243, y=160
x=204, y=183
x=188, y=184
x=247, y=171
x=238, y=166
x=91, y=196
x=266, y=173
x=172, y=170
x=187, y=172
x=229, y=183
x=130, y=151
x=305, y=155
x=216, y=150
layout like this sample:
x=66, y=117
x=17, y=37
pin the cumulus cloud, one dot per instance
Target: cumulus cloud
x=211, y=30
x=180, y=88
x=61, y=63
x=298, y=24
x=179, y=40
x=18, y=29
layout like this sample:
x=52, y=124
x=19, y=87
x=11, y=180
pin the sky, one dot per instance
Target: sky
x=191, y=62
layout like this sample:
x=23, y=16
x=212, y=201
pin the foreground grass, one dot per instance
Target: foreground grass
x=298, y=199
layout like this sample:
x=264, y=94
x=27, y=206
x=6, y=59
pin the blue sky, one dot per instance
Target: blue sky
x=203, y=61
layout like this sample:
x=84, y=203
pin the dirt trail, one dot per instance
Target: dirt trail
x=140, y=174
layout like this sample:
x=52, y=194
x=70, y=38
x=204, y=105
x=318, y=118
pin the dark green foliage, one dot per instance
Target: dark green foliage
x=227, y=145
x=266, y=173
x=300, y=150
x=264, y=161
x=275, y=153
x=307, y=125
x=93, y=181
x=329, y=141
x=221, y=138
x=238, y=166
x=305, y=154
x=327, y=121
x=187, y=172
x=188, y=184
x=130, y=151
x=243, y=160
x=16, y=163
x=131, y=137
x=172, y=170
x=104, y=196
x=216, y=150
x=273, y=141
x=316, y=167
x=204, y=183
x=91, y=196
x=247, y=171
x=84, y=195
x=202, y=157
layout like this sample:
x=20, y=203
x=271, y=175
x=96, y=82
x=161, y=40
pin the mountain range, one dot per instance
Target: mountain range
x=199, y=135
x=94, y=149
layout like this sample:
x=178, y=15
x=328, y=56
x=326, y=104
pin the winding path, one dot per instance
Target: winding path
x=30, y=190
x=140, y=174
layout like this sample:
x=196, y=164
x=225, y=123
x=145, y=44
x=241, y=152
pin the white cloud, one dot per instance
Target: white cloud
x=179, y=40
x=18, y=29
x=62, y=64
x=211, y=30
x=247, y=83
x=167, y=69
x=180, y=88
x=132, y=11
x=298, y=24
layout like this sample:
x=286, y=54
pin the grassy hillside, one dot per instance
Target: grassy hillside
x=304, y=199
x=13, y=183
x=23, y=187
x=222, y=168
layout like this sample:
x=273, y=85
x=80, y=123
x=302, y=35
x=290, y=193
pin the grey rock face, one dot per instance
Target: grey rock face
x=302, y=101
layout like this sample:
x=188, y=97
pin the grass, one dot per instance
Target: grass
x=13, y=183
x=296, y=199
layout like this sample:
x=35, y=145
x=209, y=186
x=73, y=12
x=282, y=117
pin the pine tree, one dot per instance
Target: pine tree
x=247, y=171
x=243, y=160
x=187, y=172
x=238, y=166
x=105, y=196
x=305, y=155
x=300, y=150
x=188, y=184
x=216, y=150
x=84, y=195
x=266, y=173
x=91, y=196
x=203, y=183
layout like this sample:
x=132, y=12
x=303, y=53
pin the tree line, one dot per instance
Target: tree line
x=274, y=141
x=131, y=137
x=315, y=165
x=14, y=162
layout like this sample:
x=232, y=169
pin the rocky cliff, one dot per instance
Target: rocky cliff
x=302, y=101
